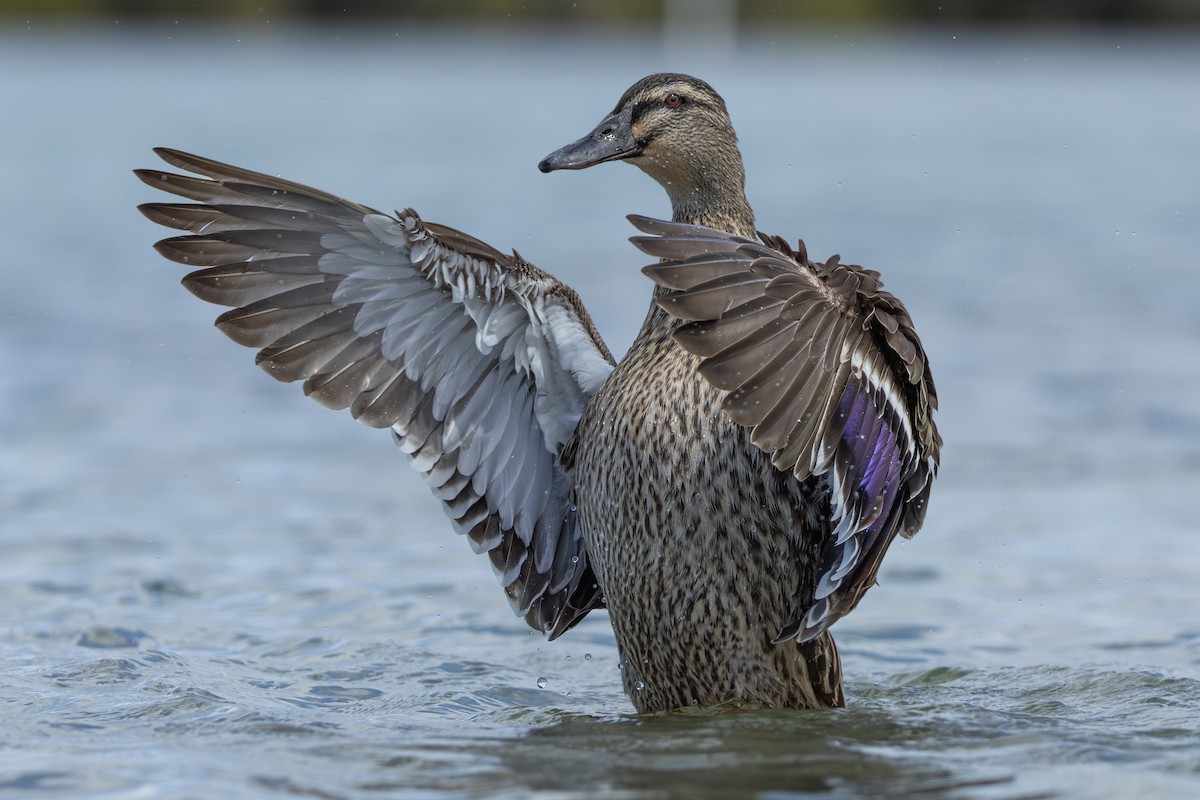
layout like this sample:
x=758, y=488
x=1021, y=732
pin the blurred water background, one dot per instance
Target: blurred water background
x=211, y=587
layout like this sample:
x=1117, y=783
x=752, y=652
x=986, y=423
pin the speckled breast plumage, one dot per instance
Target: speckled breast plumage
x=705, y=551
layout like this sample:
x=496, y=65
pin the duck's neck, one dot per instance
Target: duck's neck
x=727, y=211
x=707, y=185
x=718, y=200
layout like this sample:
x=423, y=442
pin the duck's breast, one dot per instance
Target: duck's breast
x=704, y=550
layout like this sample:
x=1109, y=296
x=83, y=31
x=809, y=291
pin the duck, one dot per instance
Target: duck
x=726, y=491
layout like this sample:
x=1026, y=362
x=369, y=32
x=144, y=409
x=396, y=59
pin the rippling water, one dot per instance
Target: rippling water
x=213, y=589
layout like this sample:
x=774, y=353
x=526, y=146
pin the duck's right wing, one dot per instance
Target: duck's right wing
x=826, y=370
x=479, y=362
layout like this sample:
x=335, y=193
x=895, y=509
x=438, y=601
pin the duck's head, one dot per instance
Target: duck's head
x=675, y=128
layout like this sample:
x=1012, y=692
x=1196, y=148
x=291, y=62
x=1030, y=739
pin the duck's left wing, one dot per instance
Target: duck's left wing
x=479, y=362
x=826, y=369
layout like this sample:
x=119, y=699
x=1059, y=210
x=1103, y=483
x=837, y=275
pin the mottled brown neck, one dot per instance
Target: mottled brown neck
x=734, y=216
x=726, y=210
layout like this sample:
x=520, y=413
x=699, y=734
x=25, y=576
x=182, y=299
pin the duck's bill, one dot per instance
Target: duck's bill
x=611, y=140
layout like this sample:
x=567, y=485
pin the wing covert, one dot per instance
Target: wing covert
x=825, y=368
x=479, y=362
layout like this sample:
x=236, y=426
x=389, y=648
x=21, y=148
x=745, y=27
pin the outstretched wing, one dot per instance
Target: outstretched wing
x=826, y=369
x=479, y=362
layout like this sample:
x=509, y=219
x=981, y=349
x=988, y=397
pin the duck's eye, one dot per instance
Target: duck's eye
x=673, y=101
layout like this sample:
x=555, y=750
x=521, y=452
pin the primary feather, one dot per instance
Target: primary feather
x=479, y=362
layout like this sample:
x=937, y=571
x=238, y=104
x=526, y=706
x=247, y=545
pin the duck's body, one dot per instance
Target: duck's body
x=703, y=547
x=727, y=490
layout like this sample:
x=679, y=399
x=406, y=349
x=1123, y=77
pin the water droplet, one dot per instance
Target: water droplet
x=103, y=636
x=637, y=687
x=568, y=657
x=542, y=683
x=587, y=656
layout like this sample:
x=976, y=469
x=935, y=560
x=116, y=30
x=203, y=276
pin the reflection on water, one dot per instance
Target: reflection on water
x=939, y=733
x=212, y=588
x=849, y=753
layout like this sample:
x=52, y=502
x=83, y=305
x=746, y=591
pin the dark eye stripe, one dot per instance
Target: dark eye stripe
x=642, y=106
